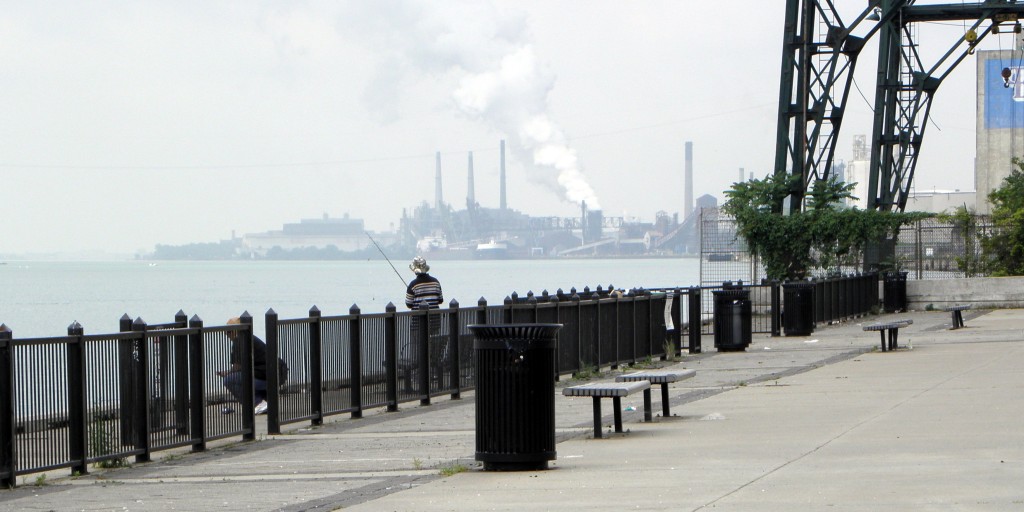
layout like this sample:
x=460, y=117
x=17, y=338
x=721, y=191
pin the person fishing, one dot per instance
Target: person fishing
x=425, y=289
x=423, y=292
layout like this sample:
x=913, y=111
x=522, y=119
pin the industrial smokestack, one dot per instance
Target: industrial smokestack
x=688, y=188
x=470, y=187
x=438, y=199
x=741, y=176
x=501, y=194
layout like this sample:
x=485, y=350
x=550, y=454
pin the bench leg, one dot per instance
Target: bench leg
x=597, y=417
x=882, y=332
x=617, y=404
x=647, y=406
x=957, y=318
x=893, y=335
x=664, y=401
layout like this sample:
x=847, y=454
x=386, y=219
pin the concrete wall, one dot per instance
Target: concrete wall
x=980, y=292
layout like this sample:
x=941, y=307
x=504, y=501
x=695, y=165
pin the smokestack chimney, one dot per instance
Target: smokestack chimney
x=741, y=176
x=501, y=194
x=688, y=188
x=470, y=187
x=438, y=199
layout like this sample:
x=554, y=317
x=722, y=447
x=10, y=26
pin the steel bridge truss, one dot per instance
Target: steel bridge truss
x=820, y=51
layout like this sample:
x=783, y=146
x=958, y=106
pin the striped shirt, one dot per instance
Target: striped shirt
x=425, y=289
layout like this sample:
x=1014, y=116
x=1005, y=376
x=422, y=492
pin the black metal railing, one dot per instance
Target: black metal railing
x=107, y=397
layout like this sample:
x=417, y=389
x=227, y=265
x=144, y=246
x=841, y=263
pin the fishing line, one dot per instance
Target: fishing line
x=400, y=278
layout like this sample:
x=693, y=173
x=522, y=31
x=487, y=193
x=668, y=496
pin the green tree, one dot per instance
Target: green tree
x=965, y=226
x=825, y=235
x=1004, y=249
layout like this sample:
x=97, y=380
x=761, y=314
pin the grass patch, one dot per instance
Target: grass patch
x=453, y=469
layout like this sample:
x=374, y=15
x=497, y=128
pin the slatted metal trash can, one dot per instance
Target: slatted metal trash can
x=894, y=290
x=515, y=395
x=732, y=312
x=798, y=308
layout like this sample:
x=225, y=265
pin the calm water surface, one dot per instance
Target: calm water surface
x=43, y=298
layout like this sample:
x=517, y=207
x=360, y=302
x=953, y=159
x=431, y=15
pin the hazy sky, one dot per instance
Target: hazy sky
x=127, y=124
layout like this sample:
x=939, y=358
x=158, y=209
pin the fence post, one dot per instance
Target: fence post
x=142, y=398
x=355, y=352
x=694, y=319
x=197, y=383
x=676, y=314
x=423, y=342
x=557, y=304
x=776, y=313
x=597, y=324
x=509, y=301
x=316, y=373
x=273, y=380
x=77, y=431
x=9, y=427
x=391, y=356
x=181, y=396
x=481, y=312
x=128, y=372
x=454, y=363
x=248, y=407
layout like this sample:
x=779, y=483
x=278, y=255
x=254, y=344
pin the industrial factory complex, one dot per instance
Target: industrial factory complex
x=442, y=231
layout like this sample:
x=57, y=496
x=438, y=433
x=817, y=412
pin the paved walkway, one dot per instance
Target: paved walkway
x=824, y=422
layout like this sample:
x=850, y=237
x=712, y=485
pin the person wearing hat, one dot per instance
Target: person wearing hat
x=425, y=289
x=423, y=292
x=233, y=376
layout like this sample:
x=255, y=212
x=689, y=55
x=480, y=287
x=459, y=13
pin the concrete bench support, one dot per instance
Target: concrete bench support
x=615, y=391
x=957, y=313
x=892, y=328
x=663, y=377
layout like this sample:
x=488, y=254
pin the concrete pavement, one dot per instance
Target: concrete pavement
x=818, y=422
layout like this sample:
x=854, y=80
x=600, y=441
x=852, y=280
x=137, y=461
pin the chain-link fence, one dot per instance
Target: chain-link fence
x=928, y=249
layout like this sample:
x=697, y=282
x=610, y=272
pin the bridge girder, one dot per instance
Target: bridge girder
x=820, y=52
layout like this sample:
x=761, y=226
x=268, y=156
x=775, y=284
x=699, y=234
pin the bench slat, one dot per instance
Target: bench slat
x=606, y=389
x=657, y=377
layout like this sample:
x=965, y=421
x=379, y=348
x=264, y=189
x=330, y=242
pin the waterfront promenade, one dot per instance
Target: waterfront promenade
x=794, y=423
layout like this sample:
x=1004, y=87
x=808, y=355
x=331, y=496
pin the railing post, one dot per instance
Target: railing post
x=676, y=314
x=776, y=313
x=273, y=379
x=509, y=302
x=248, y=407
x=391, y=356
x=355, y=352
x=128, y=373
x=423, y=342
x=694, y=319
x=197, y=383
x=181, y=371
x=316, y=373
x=577, y=309
x=557, y=304
x=454, y=363
x=597, y=325
x=142, y=398
x=8, y=427
x=481, y=312
x=77, y=431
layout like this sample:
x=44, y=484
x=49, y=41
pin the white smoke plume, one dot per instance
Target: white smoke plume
x=500, y=79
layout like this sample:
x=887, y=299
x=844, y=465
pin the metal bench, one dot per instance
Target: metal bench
x=957, y=311
x=615, y=391
x=892, y=328
x=663, y=377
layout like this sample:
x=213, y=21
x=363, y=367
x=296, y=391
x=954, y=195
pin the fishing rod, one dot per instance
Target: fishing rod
x=385, y=257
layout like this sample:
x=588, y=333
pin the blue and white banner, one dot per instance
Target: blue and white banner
x=1004, y=100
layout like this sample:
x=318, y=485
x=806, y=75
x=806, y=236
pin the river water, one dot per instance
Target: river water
x=41, y=298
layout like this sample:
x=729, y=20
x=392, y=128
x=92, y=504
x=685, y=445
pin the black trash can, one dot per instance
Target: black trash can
x=895, y=292
x=515, y=395
x=732, y=312
x=798, y=308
